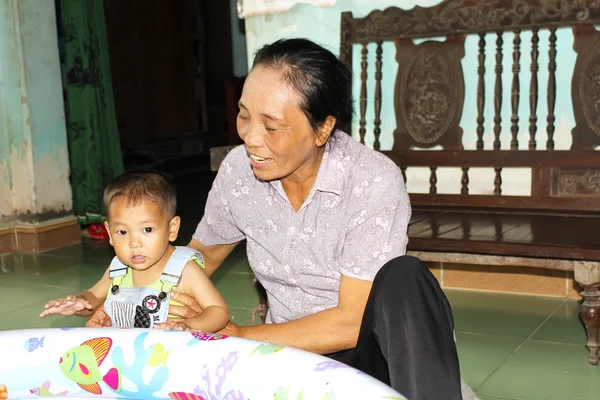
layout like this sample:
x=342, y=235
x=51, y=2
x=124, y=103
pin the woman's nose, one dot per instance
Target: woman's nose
x=253, y=136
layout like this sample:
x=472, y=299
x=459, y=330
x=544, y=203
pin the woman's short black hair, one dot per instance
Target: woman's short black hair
x=323, y=81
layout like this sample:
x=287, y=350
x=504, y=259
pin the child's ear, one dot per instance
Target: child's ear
x=174, y=228
x=107, y=227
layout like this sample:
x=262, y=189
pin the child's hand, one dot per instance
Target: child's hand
x=67, y=306
x=173, y=326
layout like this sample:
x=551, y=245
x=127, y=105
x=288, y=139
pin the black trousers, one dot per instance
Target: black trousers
x=406, y=338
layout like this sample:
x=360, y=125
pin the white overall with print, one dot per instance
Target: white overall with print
x=144, y=307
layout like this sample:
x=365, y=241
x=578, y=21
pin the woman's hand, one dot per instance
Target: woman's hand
x=173, y=326
x=231, y=329
x=189, y=309
x=99, y=319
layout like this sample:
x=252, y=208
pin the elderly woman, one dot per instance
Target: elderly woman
x=325, y=223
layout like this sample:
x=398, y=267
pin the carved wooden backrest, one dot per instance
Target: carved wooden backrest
x=429, y=96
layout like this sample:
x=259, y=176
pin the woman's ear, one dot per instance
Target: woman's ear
x=324, y=130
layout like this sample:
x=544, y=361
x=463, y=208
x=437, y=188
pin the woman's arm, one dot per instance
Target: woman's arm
x=324, y=332
x=213, y=255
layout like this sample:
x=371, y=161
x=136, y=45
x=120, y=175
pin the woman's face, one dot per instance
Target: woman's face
x=279, y=140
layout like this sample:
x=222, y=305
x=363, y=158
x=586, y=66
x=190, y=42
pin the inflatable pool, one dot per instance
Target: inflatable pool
x=154, y=364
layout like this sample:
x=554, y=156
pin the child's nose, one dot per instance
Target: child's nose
x=134, y=242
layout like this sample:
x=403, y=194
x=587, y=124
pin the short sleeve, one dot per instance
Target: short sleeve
x=218, y=225
x=377, y=230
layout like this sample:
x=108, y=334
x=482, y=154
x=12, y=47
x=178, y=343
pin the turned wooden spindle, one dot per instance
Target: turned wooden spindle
x=498, y=182
x=551, y=89
x=377, y=104
x=464, y=181
x=481, y=91
x=433, y=181
x=363, y=94
x=533, y=90
x=515, y=95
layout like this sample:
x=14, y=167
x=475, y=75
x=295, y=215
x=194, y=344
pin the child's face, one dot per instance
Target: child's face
x=140, y=234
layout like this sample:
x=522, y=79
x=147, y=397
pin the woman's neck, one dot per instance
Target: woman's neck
x=298, y=185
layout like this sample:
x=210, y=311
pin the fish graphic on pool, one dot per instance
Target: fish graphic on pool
x=266, y=348
x=159, y=356
x=44, y=391
x=34, y=343
x=81, y=365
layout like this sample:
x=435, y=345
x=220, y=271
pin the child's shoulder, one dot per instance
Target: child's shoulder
x=192, y=275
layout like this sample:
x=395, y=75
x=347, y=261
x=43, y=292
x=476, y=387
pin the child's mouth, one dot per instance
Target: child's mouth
x=138, y=259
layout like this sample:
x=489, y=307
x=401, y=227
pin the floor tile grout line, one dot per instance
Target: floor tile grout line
x=498, y=397
x=43, y=285
x=553, y=342
x=547, y=319
x=500, y=365
x=521, y=345
x=82, y=257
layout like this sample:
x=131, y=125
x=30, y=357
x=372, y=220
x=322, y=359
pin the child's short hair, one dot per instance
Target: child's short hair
x=138, y=186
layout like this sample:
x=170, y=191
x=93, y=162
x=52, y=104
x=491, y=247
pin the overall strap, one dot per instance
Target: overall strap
x=171, y=275
x=117, y=272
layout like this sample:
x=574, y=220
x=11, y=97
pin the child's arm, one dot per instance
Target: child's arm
x=215, y=314
x=83, y=304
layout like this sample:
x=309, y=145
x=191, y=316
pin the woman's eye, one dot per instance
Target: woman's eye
x=240, y=116
x=270, y=129
x=148, y=230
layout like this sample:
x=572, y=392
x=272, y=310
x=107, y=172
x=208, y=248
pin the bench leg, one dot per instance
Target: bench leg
x=263, y=305
x=590, y=313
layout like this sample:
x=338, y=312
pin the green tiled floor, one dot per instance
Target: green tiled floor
x=510, y=347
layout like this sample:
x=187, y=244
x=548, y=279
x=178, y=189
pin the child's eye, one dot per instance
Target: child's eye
x=121, y=232
x=148, y=230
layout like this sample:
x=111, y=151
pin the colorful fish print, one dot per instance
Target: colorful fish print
x=328, y=396
x=44, y=391
x=185, y=396
x=281, y=393
x=81, y=365
x=265, y=349
x=205, y=337
x=3, y=391
x=158, y=356
x=34, y=343
x=329, y=365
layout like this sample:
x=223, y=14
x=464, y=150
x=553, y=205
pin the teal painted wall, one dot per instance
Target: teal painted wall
x=16, y=185
x=34, y=168
x=322, y=25
x=238, y=39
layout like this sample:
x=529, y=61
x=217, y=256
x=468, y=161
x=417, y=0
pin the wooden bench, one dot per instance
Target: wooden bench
x=557, y=225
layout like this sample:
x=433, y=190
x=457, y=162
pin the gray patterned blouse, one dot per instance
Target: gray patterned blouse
x=353, y=221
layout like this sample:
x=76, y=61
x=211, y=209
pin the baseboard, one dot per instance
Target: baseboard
x=7, y=240
x=506, y=279
x=35, y=238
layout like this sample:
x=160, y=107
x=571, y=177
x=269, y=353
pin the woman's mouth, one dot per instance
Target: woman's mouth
x=259, y=162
